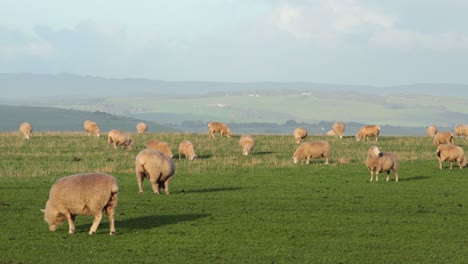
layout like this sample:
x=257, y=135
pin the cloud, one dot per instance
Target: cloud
x=17, y=43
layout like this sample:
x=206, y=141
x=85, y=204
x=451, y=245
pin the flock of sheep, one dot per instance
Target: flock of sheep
x=92, y=193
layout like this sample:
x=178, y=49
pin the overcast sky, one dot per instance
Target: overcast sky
x=375, y=42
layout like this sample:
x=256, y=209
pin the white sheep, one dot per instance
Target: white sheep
x=157, y=167
x=378, y=161
x=91, y=127
x=460, y=131
x=187, y=149
x=218, y=127
x=82, y=194
x=26, y=130
x=330, y=133
x=161, y=146
x=247, y=143
x=431, y=131
x=141, y=127
x=299, y=134
x=119, y=138
x=445, y=137
x=451, y=153
x=312, y=150
x=339, y=128
x=368, y=131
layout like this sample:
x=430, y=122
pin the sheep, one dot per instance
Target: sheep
x=431, y=131
x=222, y=128
x=444, y=137
x=160, y=145
x=25, y=129
x=314, y=149
x=119, y=138
x=82, y=194
x=91, y=127
x=330, y=133
x=378, y=161
x=247, y=143
x=141, y=127
x=299, y=134
x=339, y=128
x=186, y=148
x=156, y=166
x=451, y=153
x=460, y=131
x=368, y=131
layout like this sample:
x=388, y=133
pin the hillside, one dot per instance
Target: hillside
x=53, y=119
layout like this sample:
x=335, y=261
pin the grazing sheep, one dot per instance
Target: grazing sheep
x=368, y=131
x=378, y=161
x=431, y=131
x=187, y=149
x=82, y=194
x=218, y=127
x=445, y=137
x=461, y=131
x=339, y=128
x=299, y=134
x=156, y=166
x=331, y=133
x=141, y=127
x=26, y=130
x=119, y=138
x=91, y=128
x=312, y=150
x=451, y=153
x=160, y=145
x=247, y=143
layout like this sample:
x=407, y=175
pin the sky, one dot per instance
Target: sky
x=359, y=42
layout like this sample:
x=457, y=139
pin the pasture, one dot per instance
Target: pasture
x=228, y=208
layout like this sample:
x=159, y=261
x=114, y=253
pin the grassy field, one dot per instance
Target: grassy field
x=228, y=208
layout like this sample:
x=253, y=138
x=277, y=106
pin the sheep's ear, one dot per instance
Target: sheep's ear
x=43, y=210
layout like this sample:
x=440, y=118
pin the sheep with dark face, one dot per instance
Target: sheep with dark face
x=82, y=194
x=299, y=134
x=378, y=161
x=312, y=150
x=451, y=153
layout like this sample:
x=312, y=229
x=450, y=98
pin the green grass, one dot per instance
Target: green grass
x=227, y=208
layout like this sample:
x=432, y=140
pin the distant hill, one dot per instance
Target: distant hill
x=54, y=119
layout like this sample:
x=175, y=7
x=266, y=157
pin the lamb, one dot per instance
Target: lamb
x=156, y=166
x=368, y=131
x=445, y=137
x=339, y=128
x=311, y=150
x=221, y=128
x=119, y=138
x=141, y=127
x=451, y=153
x=247, y=143
x=431, y=131
x=187, y=149
x=299, y=134
x=461, y=131
x=25, y=129
x=160, y=145
x=378, y=161
x=91, y=128
x=82, y=194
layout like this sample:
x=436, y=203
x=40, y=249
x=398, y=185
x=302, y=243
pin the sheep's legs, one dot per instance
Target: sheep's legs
x=71, y=223
x=97, y=220
x=110, y=214
x=155, y=186
x=166, y=186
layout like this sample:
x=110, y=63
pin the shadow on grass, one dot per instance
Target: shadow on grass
x=262, y=153
x=212, y=190
x=153, y=221
x=415, y=178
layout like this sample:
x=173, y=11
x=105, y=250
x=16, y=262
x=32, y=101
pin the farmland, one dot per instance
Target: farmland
x=229, y=208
